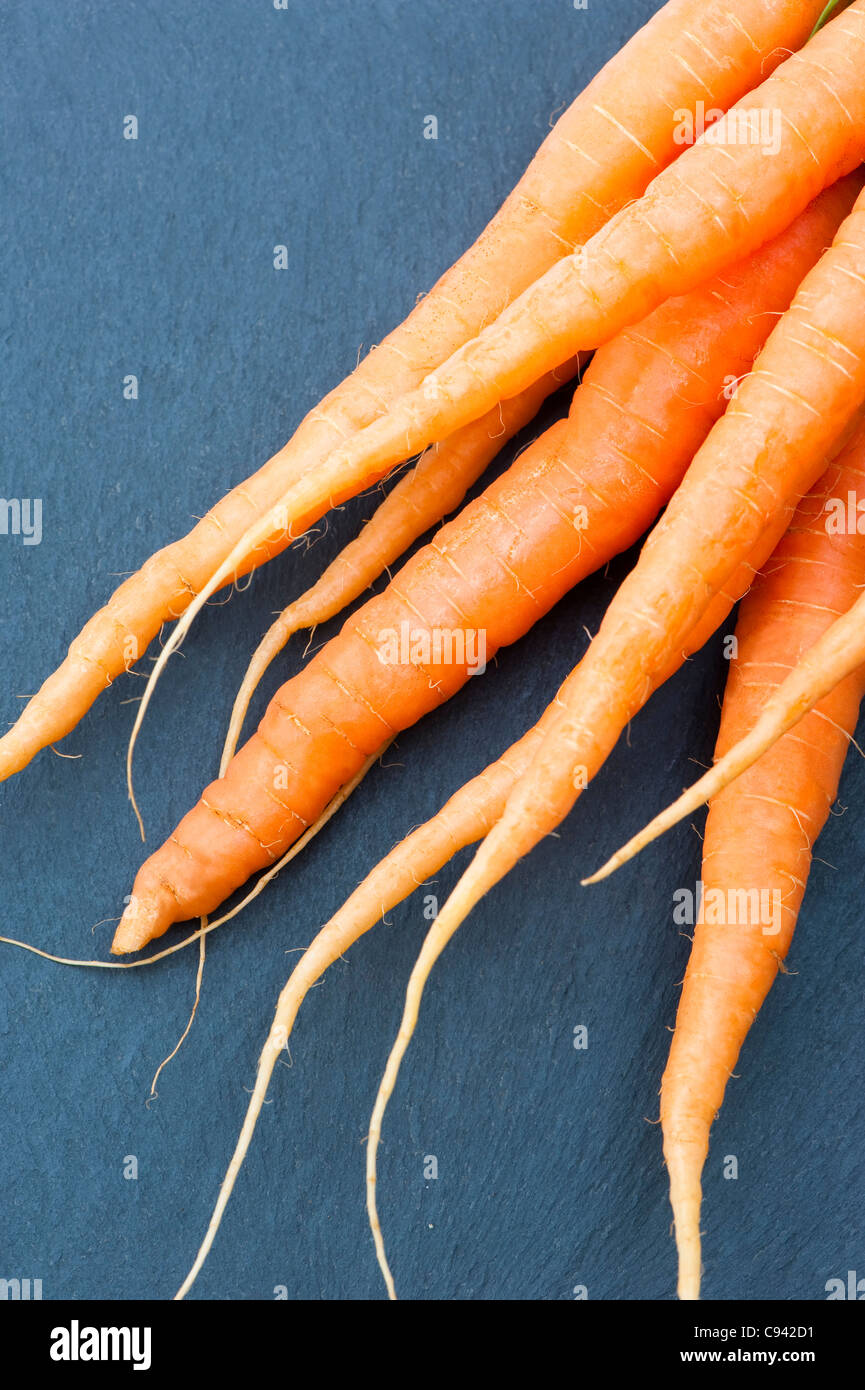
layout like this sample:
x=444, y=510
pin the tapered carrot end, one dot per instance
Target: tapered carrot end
x=639, y=842
x=12, y=759
x=142, y=920
x=685, y=1199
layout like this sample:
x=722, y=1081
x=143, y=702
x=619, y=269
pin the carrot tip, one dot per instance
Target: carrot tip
x=141, y=921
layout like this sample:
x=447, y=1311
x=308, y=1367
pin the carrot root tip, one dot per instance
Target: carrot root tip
x=138, y=925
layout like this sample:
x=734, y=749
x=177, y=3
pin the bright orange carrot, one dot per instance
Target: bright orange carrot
x=801, y=130
x=759, y=834
x=836, y=655
x=465, y=818
x=584, y=491
x=434, y=487
x=599, y=156
x=719, y=201
x=785, y=421
x=807, y=385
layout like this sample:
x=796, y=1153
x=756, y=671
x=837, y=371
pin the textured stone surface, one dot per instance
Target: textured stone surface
x=154, y=257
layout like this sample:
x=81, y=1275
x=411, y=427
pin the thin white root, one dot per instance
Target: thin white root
x=286, y=1011
x=185, y=1034
x=450, y=918
x=275, y=522
x=317, y=958
x=268, y=649
x=329, y=811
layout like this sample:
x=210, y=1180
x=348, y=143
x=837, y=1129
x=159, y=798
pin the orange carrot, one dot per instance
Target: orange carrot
x=465, y=818
x=718, y=202
x=785, y=421
x=759, y=834
x=584, y=491
x=434, y=487
x=599, y=156
x=836, y=655
x=807, y=385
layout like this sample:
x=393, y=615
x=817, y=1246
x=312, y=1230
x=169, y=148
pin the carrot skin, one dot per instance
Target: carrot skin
x=789, y=415
x=475, y=807
x=647, y=402
x=718, y=202
x=601, y=154
x=463, y=819
x=760, y=831
x=835, y=655
x=428, y=492
x=435, y=487
x=767, y=450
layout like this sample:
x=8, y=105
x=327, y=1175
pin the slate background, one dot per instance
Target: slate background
x=155, y=257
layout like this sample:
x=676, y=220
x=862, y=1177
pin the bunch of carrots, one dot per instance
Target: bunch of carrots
x=721, y=289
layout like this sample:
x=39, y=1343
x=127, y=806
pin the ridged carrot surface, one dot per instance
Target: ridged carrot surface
x=785, y=423
x=647, y=402
x=760, y=831
x=600, y=155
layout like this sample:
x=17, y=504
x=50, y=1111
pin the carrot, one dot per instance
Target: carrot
x=807, y=385
x=207, y=927
x=601, y=154
x=468, y=816
x=584, y=491
x=767, y=450
x=428, y=492
x=834, y=657
x=464, y=818
x=759, y=834
x=718, y=202
x=435, y=486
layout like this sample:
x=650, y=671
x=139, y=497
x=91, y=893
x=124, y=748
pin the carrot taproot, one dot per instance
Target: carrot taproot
x=759, y=834
x=468, y=816
x=433, y=488
x=834, y=657
x=600, y=155
x=719, y=201
x=584, y=491
x=785, y=422
x=209, y=926
x=465, y=818
x=427, y=493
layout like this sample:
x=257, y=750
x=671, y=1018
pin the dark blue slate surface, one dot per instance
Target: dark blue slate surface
x=155, y=258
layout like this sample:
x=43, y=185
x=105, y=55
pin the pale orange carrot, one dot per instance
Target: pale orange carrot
x=585, y=490
x=599, y=156
x=834, y=657
x=801, y=130
x=786, y=419
x=428, y=492
x=760, y=833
